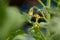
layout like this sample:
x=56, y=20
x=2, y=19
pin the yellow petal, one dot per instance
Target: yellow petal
x=31, y=11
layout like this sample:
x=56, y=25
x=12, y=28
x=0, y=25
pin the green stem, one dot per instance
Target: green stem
x=47, y=13
x=48, y=6
x=41, y=3
x=39, y=10
x=48, y=33
x=42, y=35
x=48, y=3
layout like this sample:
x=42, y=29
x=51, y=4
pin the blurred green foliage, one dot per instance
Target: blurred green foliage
x=57, y=1
x=11, y=20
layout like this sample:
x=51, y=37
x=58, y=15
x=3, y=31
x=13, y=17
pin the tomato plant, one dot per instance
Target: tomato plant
x=41, y=25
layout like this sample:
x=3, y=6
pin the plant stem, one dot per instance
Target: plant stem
x=48, y=32
x=48, y=6
x=47, y=13
x=41, y=3
x=48, y=3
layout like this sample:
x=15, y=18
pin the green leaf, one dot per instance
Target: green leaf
x=13, y=20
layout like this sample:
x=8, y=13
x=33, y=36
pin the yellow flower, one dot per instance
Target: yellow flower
x=37, y=16
x=31, y=12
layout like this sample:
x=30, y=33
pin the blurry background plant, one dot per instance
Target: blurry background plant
x=11, y=22
x=58, y=2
